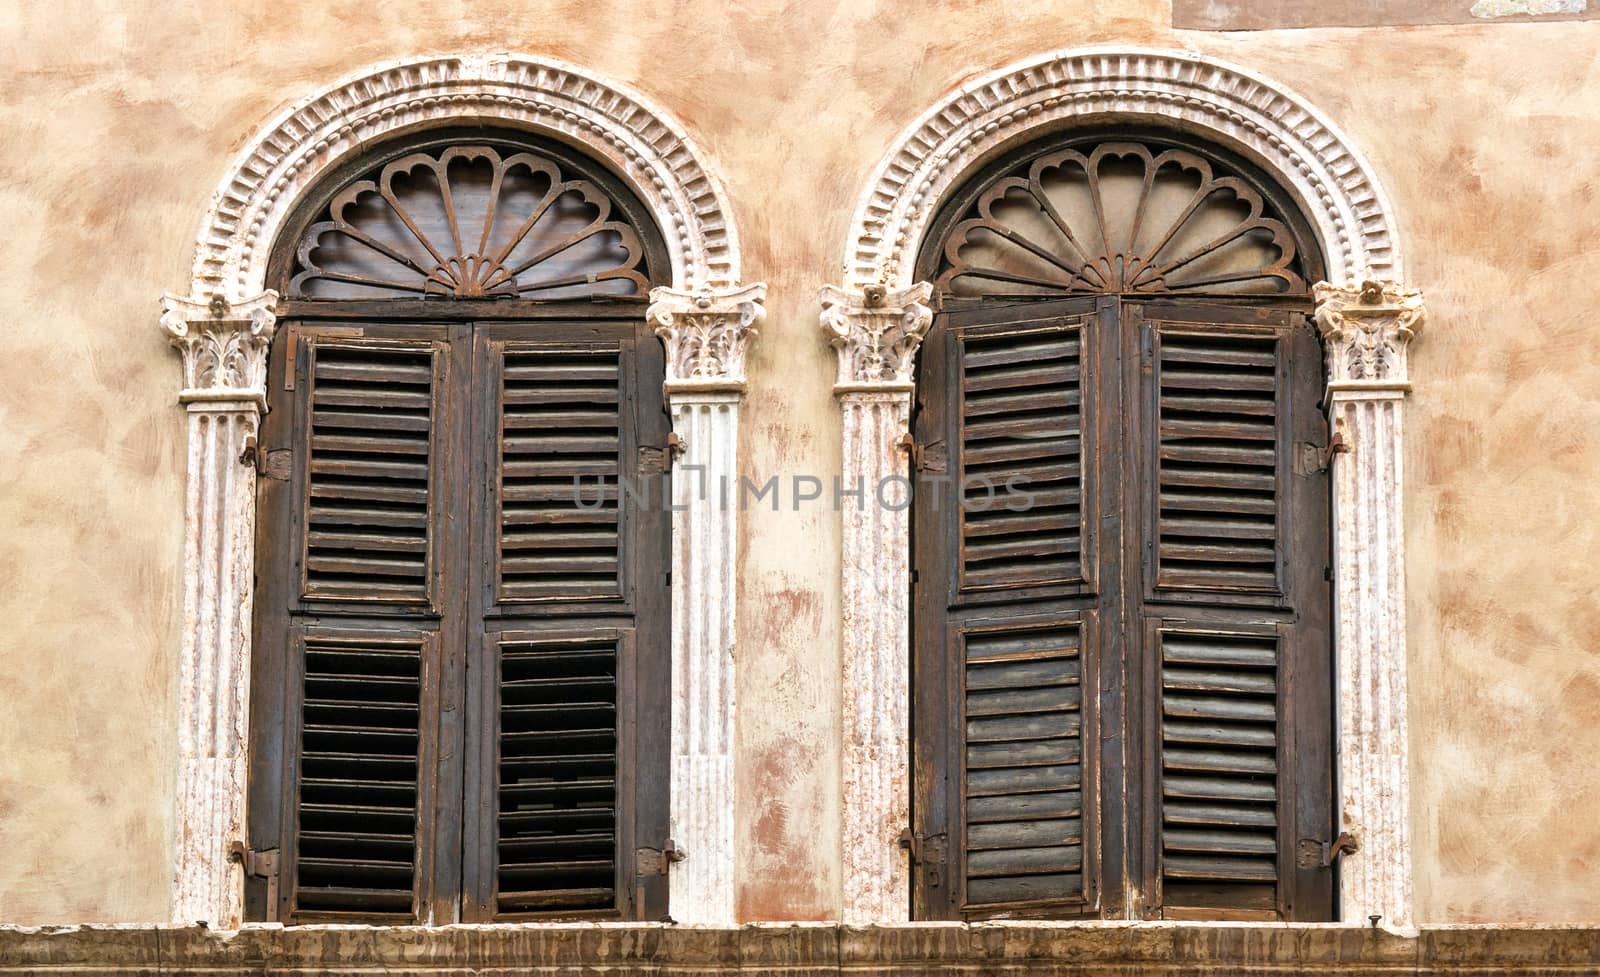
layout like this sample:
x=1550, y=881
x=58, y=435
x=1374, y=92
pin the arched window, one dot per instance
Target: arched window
x=460, y=656
x=1121, y=667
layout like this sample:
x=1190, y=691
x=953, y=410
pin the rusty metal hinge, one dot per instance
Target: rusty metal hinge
x=1311, y=459
x=932, y=457
x=654, y=861
x=262, y=864
x=1312, y=853
x=927, y=855
x=275, y=464
x=658, y=461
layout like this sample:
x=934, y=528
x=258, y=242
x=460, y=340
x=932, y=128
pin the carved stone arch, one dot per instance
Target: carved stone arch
x=1367, y=317
x=224, y=325
x=1264, y=121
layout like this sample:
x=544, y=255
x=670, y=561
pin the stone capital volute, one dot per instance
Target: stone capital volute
x=706, y=333
x=224, y=346
x=876, y=332
x=1368, y=324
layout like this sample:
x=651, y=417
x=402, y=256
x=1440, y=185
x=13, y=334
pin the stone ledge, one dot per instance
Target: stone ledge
x=803, y=950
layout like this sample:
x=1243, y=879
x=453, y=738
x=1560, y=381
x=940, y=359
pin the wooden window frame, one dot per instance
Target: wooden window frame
x=1368, y=318
x=1121, y=781
x=223, y=326
x=455, y=867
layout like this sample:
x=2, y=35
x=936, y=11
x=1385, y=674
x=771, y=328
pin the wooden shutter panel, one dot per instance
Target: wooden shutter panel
x=578, y=562
x=557, y=795
x=1022, y=771
x=360, y=773
x=370, y=451
x=1004, y=611
x=561, y=445
x=1219, y=770
x=1220, y=430
x=1235, y=610
x=1021, y=423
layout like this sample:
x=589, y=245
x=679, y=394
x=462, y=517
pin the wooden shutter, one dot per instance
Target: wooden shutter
x=575, y=565
x=561, y=438
x=1022, y=765
x=354, y=622
x=461, y=672
x=1154, y=696
x=1234, y=611
x=557, y=798
x=1021, y=423
x=1005, y=605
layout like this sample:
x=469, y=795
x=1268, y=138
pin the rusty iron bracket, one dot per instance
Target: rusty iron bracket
x=658, y=461
x=250, y=457
x=1312, y=853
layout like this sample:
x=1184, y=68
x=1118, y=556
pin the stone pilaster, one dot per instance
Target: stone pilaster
x=1369, y=326
x=876, y=333
x=706, y=334
x=224, y=347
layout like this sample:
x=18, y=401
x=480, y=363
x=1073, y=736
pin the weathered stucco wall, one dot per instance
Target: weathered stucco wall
x=119, y=117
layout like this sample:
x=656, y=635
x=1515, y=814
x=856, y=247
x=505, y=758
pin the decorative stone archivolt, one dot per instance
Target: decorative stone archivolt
x=224, y=326
x=618, y=126
x=1366, y=317
x=1269, y=124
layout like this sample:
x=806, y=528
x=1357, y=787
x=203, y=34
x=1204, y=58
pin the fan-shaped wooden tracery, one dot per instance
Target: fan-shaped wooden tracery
x=1119, y=217
x=469, y=221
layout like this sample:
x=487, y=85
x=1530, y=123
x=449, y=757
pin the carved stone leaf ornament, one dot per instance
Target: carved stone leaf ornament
x=224, y=346
x=706, y=332
x=875, y=333
x=1369, y=325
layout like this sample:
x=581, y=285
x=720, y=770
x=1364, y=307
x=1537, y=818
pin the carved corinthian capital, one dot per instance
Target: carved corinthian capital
x=224, y=346
x=1369, y=325
x=875, y=332
x=706, y=333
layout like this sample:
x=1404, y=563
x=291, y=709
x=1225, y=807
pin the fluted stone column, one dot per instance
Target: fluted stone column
x=706, y=334
x=224, y=347
x=876, y=333
x=1369, y=326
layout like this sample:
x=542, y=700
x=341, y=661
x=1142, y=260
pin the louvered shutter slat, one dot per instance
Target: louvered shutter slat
x=370, y=454
x=1023, y=765
x=561, y=462
x=557, y=779
x=358, y=779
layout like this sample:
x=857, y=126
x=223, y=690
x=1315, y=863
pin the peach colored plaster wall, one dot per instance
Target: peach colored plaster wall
x=117, y=119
